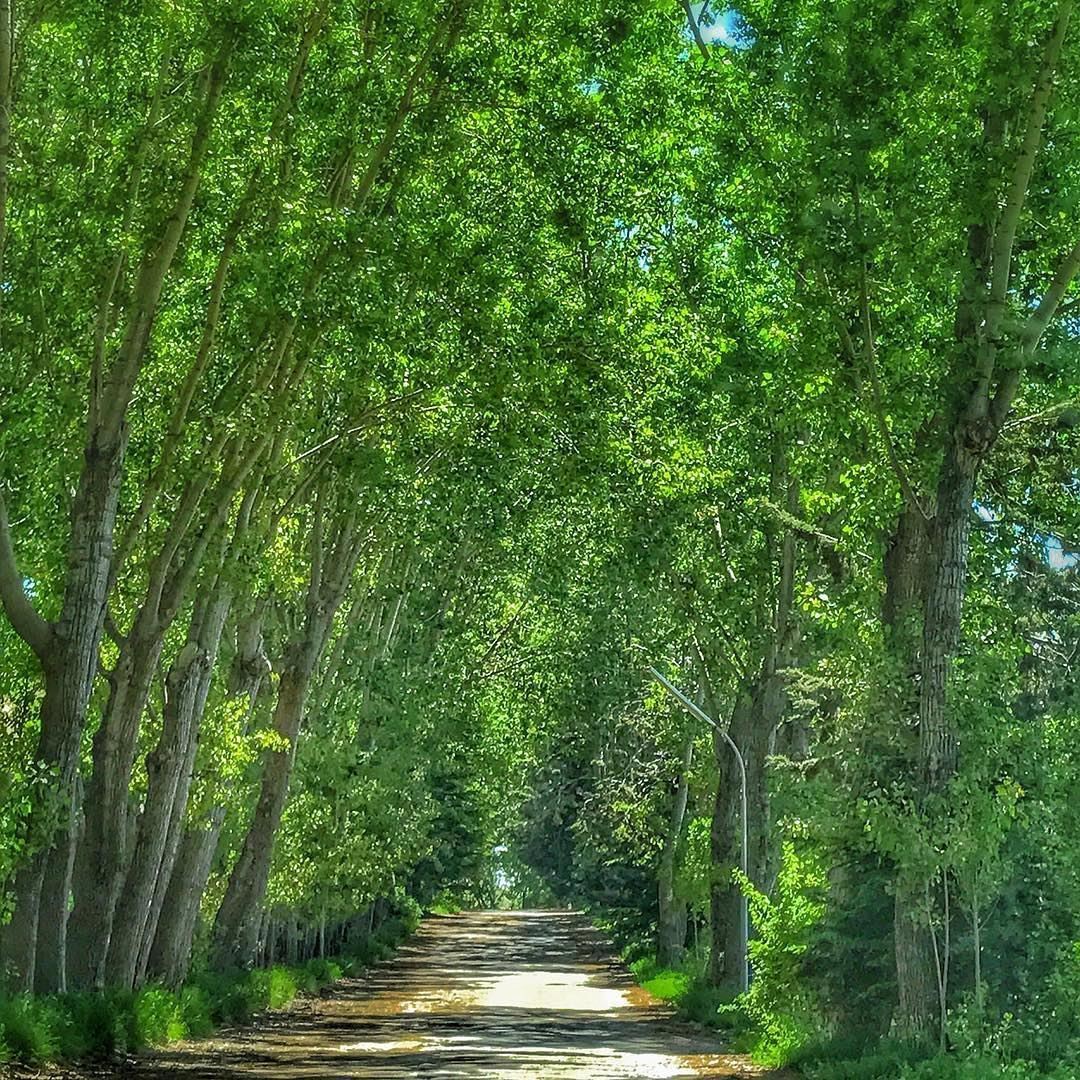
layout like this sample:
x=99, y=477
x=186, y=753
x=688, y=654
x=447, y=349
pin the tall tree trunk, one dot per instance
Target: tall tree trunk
x=69, y=658
x=671, y=912
x=168, y=769
x=902, y=613
x=103, y=861
x=50, y=972
x=985, y=390
x=727, y=955
x=69, y=667
x=755, y=719
x=333, y=560
x=945, y=587
x=103, y=855
x=170, y=954
x=237, y=925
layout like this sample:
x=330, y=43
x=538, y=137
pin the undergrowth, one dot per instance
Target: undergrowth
x=67, y=1027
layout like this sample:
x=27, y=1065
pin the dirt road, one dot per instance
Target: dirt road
x=499, y=996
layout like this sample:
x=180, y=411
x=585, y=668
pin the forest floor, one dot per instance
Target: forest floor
x=494, y=995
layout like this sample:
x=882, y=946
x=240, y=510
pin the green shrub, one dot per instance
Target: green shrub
x=282, y=987
x=667, y=985
x=227, y=997
x=101, y=1025
x=97, y=1025
x=323, y=971
x=272, y=988
x=783, y=1012
x=980, y=1068
x=195, y=1009
x=643, y=968
x=29, y=1028
x=159, y=1019
x=410, y=914
x=445, y=903
x=392, y=932
x=839, y=1060
x=685, y=987
x=704, y=1004
x=1048, y=1031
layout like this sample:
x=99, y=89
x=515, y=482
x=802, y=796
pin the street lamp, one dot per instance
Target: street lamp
x=744, y=913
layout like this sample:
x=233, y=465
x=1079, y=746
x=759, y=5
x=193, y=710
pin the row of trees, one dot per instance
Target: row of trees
x=410, y=378
x=269, y=407
x=840, y=506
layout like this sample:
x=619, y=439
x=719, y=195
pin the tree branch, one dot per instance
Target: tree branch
x=1044, y=414
x=1005, y=233
x=907, y=489
x=695, y=29
x=1040, y=318
x=1033, y=330
x=25, y=620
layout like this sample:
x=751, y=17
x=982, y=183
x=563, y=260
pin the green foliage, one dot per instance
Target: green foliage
x=840, y=1060
x=664, y=983
x=90, y=1025
x=953, y=1068
x=614, y=355
x=275, y=987
x=778, y=1005
x=158, y=1017
x=30, y=1028
x=195, y=1010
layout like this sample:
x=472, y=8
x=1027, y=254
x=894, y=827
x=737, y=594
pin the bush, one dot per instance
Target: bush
x=410, y=913
x=845, y=1059
x=704, y=1004
x=978, y=1068
x=668, y=985
x=226, y=998
x=96, y=1025
x=784, y=1013
x=159, y=1019
x=195, y=1008
x=321, y=972
x=30, y=1028
x=272, y=988
x=685, y=987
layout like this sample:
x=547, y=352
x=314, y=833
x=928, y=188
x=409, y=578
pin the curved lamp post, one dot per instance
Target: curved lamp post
x=744, y=913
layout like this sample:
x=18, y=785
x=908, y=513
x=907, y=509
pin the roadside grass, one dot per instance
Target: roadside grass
x=37, y=1030
x=445, y=903
x=686, y=989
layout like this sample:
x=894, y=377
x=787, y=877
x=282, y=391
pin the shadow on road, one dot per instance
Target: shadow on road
x=494, y=995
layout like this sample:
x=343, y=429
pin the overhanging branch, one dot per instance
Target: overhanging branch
x=25, y=620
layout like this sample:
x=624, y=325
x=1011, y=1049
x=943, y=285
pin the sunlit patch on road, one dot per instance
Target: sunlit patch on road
x=481, y=996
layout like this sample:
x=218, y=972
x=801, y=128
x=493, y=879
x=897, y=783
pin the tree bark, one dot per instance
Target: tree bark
x=671, y=912
x=726, y=956
x=169, y=768
x=757, y=715
x=901, y=614
x=69, y=668
x=50, y=974
x=70, y=663
x=170, y=955
x=945, y=587
x=236, y=927
x=103, y=854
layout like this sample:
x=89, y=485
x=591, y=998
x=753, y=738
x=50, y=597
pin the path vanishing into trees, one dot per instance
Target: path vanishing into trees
x=515, y=995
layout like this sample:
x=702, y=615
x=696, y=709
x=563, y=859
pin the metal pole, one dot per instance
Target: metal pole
x=696, y=711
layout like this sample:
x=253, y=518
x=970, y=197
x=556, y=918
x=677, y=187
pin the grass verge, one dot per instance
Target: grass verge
x=36, y=1030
